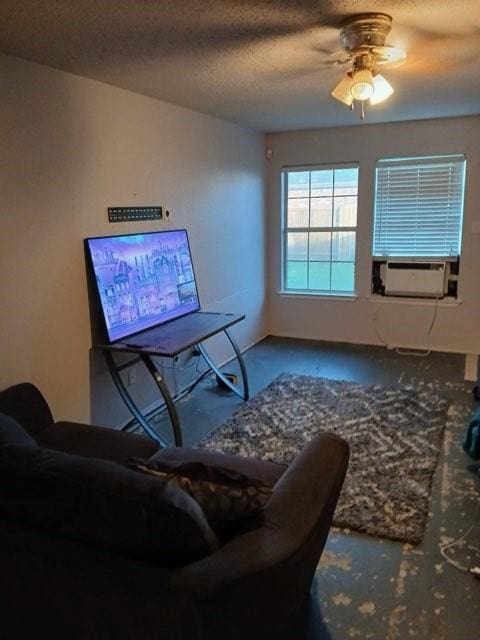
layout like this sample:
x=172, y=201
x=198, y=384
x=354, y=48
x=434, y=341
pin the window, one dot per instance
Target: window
x=320, y=229
x=419, y=207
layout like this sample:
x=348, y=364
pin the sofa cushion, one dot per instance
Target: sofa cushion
x=103, y=503
x=11, y=432
x=228, y=498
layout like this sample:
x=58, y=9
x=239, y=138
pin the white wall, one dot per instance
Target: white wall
x=456, y=328
x=71, y=147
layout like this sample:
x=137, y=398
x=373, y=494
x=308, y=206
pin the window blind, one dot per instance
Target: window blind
x=419, y=207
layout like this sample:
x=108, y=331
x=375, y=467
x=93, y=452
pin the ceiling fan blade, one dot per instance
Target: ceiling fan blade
x=324, y=51
x=297, y=70
x=437, y=50
x=443, y=55
x=300, y=73
x=389, y=56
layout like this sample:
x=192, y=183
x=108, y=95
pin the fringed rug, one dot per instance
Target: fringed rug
x=394, y=436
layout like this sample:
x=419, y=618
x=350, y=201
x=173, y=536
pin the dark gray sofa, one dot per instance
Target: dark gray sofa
x=57, y=585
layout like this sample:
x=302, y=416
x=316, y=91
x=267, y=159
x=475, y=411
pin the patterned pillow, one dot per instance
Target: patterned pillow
x=227, y=505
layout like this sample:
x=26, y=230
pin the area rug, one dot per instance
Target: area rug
x=394, y=436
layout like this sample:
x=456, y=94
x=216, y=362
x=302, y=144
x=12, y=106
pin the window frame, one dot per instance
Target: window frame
x=285, y=229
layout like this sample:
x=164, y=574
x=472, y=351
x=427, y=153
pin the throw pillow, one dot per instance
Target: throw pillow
x=202, y=470
x=103, y=503
x=229, y=500
x=12, y=432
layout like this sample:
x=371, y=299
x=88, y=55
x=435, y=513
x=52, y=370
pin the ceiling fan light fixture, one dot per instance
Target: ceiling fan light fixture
x=362, y=86
x=364, y=41
x=382, y=89
x=342, y=91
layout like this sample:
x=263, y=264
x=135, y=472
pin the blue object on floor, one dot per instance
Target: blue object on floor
x=471, y=444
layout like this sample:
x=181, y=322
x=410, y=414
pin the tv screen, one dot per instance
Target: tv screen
x=142, y=280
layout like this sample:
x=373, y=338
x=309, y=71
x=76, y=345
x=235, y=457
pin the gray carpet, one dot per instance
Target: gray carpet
x=394, y=436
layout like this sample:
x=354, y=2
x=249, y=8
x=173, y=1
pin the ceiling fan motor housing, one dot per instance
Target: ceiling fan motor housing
x=365, y=30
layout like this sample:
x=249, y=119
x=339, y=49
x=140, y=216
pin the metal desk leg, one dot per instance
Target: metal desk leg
x=127, y=398
x=162, y=387
x=241, y=394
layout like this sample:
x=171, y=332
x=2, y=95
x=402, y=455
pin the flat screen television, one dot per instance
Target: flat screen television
x=141, y=280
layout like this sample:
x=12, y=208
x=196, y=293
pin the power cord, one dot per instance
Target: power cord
x=475, y=571
x=428, y=351
x=408, y=352
x=377, y=332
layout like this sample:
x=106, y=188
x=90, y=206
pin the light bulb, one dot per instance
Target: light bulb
x=362, y=85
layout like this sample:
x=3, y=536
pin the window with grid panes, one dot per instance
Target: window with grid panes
x=320, y=229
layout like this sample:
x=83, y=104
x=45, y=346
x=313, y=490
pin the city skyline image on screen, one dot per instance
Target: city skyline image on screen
x=143, y=280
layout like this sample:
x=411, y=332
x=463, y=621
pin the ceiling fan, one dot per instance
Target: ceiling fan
x=363, y=37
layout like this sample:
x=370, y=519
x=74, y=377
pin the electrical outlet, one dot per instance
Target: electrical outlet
x=132, y=377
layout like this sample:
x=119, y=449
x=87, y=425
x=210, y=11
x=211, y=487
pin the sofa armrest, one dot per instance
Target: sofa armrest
x=96, y=442
x=309, y=487
x=26, y=405
x=274, y=564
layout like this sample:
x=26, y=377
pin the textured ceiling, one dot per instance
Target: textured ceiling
x=260, y=64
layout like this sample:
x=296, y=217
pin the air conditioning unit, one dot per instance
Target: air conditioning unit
x=415, y=279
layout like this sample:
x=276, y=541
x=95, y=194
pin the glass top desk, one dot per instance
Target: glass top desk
x=168, y=341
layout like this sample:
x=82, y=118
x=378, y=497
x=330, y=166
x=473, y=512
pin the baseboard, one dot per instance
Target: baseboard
x=471, y=360
x=368, y=344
